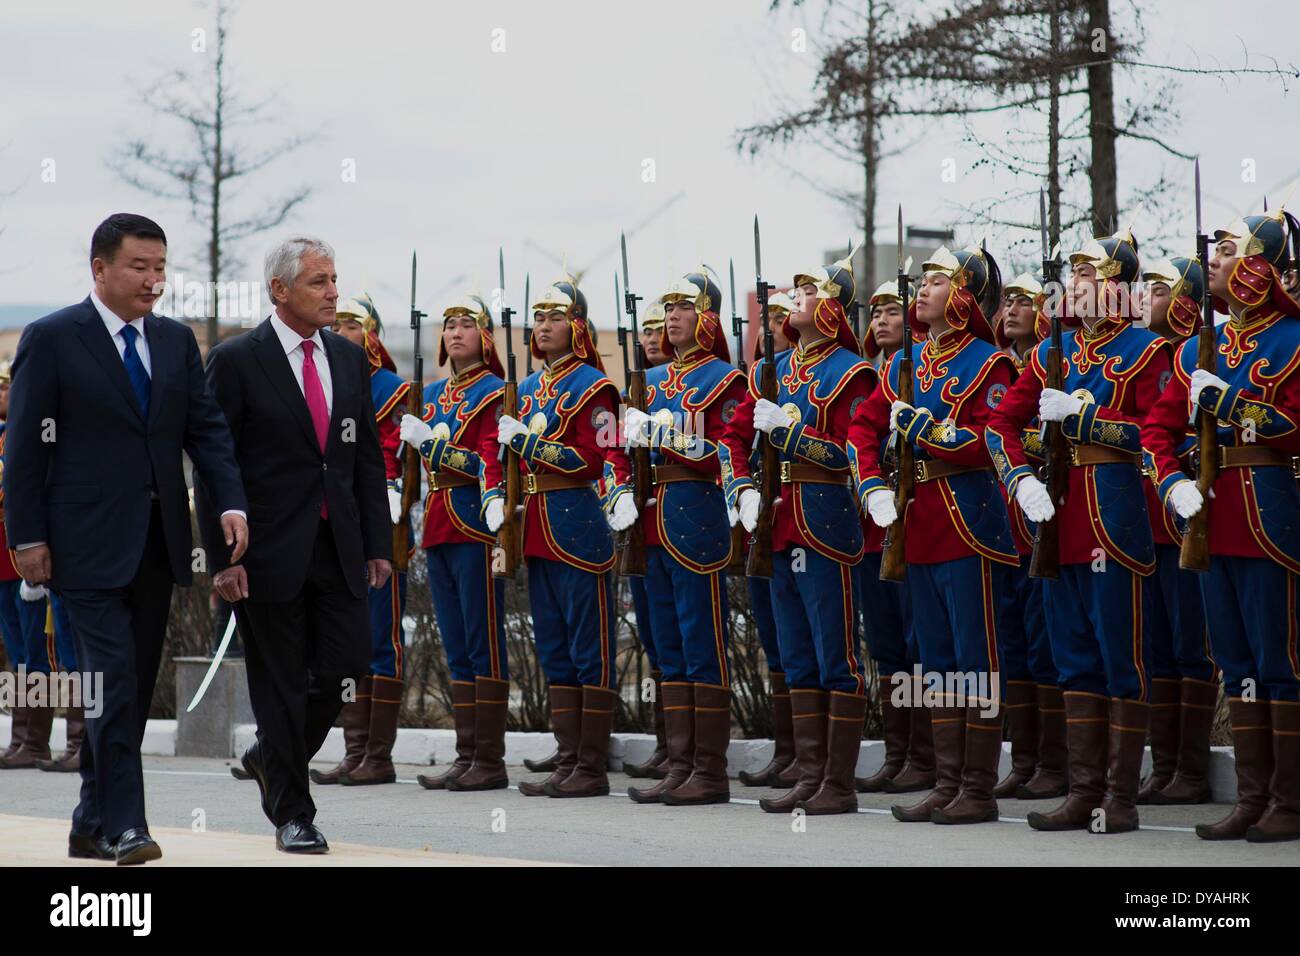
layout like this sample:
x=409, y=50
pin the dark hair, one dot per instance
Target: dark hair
x=108, y=235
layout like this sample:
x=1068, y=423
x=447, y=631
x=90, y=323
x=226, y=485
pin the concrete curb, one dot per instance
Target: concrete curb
x=425, y=746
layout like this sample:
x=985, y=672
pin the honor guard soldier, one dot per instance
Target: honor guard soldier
x=1249, y=591
x=455, y=436
x=1034, y=706
x=652, y=326
x=565, y=409
x=781, y=772
x=1184, y=679
x=370, y=720
x=887, y=613
x=816, y=535
x=689, y=402
x=58, y=629
x=1097, y=623
x=958, y=544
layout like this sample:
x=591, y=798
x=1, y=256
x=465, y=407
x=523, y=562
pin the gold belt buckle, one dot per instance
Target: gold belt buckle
x=530, y=484
x=433, y=481
x=785, y=473
x=654, y=474
x=921, y=471
x=1074, y=455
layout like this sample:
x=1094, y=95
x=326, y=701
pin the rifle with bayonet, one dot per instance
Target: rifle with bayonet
x=1194, y=555
x=509, y=539
x=736, y=565
x=410, y=456
x=759, y=562
x=855, y=307
x=632, y=561
x=528, y=327
x=893, y=560
x=1046, y=559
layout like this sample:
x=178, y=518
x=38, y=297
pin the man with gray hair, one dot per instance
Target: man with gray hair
x=297, y=398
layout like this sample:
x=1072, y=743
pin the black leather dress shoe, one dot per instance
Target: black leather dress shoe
x=83, y=847
x=299, y=836
x=136, y=846
x=252, y=764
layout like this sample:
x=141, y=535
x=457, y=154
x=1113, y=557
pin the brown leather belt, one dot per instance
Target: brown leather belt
x=663, y=474
x=1101, y=455
x=930, y=470
x=792, y=474
x=535, y=484
x=439, y=480
x=1243, y=457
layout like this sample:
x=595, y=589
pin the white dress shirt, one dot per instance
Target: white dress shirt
x=291, y=341
x=114, y=323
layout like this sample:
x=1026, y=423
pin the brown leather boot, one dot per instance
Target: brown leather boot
x=679, y=728
x=17, y=731
x=1087, y=730
x=837, y=793
x=1200, y=702
x=589, y=777
x=708, y=781
x=782, y=739
x=1252, y=745
x=808, y=713
x=654, y=768
x=1021, y=710
x=895, y=726
x=545, y=765
x=462, y=714
x=975, y=801
x=491, y=708
x=1050, y=779
x=36, y=743
x=566, y=724
x=948, y=725
x=918, y=771
x=1281, y=819
x=70, y=760
x=355, y=719
x=1129, y=721
x=1166, y=694
x=377, y=764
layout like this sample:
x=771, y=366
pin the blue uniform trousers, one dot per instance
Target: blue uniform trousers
x=387, y=605
x=688, y=611
x=886, y=619
x=1180, y=646
x=573, y=623
x=11, y=624
x=644, y=626
x=1097, y=622
x=813, y=600
x=760, y=603
x=470, y=607
x=1025, y=650
x=957, y=613
x=65, y=649
x=1251, y=603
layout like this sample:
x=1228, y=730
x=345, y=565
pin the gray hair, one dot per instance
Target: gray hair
x=284, y=262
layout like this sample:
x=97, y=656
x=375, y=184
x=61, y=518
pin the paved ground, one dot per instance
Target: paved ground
x=442, y=828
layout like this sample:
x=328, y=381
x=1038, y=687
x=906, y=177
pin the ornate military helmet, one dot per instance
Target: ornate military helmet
x=1262, y=255
x=886, y=294
x=560, y=298
x=1115, y=257
x=779, y=306
x=836, y=288
x=653, y=320
x=1186, y=290
x=362, y=309
x=699, y=289
x=568, y=284
x=474, y=305
x=1030, y=288
x=6, y=372
x=975, y=292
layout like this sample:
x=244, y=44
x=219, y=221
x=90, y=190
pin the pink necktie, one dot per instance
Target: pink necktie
x=315, y=395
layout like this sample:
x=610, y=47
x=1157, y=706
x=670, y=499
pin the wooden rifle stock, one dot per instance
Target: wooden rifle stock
x=759, y=562
x=1195, y=552
x=893, y=557
x=1046, y=559
x=509, y=538
x=410, y=485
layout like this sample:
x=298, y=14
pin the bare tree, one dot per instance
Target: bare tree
x=209, y=102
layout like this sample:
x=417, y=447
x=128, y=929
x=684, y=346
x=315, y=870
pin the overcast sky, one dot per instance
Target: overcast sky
x=459, y=149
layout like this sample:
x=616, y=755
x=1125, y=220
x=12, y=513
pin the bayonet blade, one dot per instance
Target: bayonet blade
x=900, y=237
x=412, y=280
x=1197, y=168
x=501, y=274
x=731, y=269
x=758, y=250
x=618, y=305
x=622, y=244
x=1042, y=220
x=528, y=306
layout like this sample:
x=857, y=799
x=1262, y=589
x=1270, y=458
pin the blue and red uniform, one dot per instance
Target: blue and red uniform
x=389, y=393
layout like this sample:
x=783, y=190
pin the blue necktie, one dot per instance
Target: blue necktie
x=135, y=368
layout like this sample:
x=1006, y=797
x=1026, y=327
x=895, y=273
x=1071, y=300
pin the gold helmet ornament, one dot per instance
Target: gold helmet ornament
x=836, y=288
x=974, y=292
x=1263, y=242
x=698, y=289
x=559, y=297
x=473, y=305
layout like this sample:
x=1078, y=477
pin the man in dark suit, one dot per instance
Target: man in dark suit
x=105, y=397
x=297, y=397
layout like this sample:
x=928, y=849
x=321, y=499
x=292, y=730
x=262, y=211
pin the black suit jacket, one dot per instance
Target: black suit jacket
x=285, y=473
x=81, y=459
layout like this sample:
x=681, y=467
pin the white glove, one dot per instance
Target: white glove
x=1054, y=405
x=747, y=507
x=395, y=504
x=1034, y=501
x=768, y=416
x=494, y=515
x=624, y=513
x=636, y=426
x=1200, y=380
x=508, y=428
x=894, y=409
x=1186, y=497
x=414, y=432
x=732, y=516
x=32, y=592
x=880, y=505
